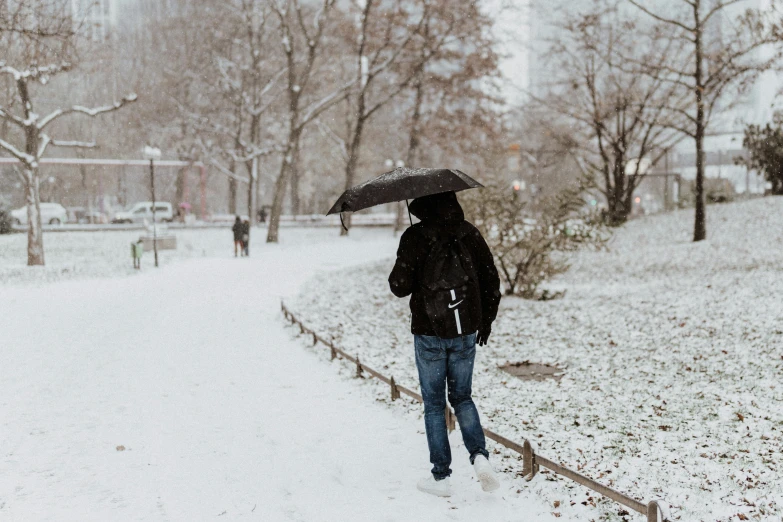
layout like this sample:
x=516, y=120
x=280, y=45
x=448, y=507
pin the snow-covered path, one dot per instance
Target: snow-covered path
x=221, y=413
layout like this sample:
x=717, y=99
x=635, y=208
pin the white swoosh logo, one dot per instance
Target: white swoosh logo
x=455, y=304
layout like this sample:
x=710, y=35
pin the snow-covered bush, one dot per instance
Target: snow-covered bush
x=525, y=243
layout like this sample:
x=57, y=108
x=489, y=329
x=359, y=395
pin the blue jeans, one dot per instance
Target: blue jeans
x=443, y=362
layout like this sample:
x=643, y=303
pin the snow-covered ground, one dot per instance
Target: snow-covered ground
x=77, y=255
x=673, y=358
x=179, y=395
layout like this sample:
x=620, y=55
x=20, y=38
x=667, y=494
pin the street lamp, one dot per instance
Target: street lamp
x=389, y=163
x=152, y=154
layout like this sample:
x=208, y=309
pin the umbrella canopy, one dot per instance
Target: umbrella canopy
x=402, y=184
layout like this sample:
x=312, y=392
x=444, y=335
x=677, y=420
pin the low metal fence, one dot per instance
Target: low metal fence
x=655, y=510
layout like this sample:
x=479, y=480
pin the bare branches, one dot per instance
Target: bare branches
x=41, y=74
x=92, y=112
x=322, y=105
x=252, y=152
x=25, y=158
x=19, y=122
x=718, y=7
x=46, y=141
x=332, y=136
x=227, y=172
x=622, y=111
x=713, y=69
x=660, y=18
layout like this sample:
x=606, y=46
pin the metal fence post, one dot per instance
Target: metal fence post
x=333, y=350
x=395, y=392
x=652, y=511
x=451, y=422
x=359, y=368
x=315, y=339
x=529, y=466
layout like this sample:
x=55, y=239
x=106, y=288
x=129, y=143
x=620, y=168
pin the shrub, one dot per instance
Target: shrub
x=5, y=217
x=525, y=243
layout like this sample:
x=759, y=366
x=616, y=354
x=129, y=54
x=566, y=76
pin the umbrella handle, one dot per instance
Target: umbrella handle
x=409, y=212
x=343, y=222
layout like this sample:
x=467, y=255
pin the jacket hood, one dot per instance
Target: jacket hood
x=438, y=208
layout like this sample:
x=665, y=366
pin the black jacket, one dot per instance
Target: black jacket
x=237, y=230
x=441, y=213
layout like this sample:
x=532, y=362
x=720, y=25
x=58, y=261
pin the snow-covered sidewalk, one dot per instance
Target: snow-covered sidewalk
x=220, y=412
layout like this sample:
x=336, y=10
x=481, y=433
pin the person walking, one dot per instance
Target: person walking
x=246, y=237
x=446, y=267
x=237, y=229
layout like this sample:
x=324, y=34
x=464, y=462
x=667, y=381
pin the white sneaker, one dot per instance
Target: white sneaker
x=439, y=488
x=485, y=474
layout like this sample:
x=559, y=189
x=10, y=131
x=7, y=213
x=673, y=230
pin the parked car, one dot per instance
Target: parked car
x=51, y=214
x=143, y=211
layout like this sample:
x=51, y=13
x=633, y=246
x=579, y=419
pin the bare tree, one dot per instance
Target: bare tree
x=717, y=61
x=383, y=37
x=258, y=70
x=452, y=106
x=627, y=116
x=301, y=37
x=35, y=140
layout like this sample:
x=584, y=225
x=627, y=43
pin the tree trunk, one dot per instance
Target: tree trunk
x=122, y=189
x=700, y=220
x=252, y=174
x=413, y=146
x=296, y=200
x=179, y=189
x=350, y=167
x=259, y=201
x=35, y=250
x=277, y=204
x=85, y=188
x=232, y=195
x=620, y=200
x=281, y=184
x=252, y=168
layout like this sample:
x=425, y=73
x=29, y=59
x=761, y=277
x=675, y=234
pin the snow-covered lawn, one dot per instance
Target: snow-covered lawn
x=179, y=395
x=76, y=255
x=673, y=358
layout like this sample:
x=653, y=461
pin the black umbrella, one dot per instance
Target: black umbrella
x=402, y=184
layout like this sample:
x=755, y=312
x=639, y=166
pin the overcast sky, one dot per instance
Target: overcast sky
x=512, y=31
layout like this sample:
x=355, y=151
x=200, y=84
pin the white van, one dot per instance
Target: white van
x=142, y=211
x=51, y=214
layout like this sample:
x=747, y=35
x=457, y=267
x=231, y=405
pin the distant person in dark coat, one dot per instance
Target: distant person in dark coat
x=447, y=363
x=238, y=230
x=246, y=237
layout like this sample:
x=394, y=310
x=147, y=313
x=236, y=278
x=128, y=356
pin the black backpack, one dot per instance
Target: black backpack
x=449, y=284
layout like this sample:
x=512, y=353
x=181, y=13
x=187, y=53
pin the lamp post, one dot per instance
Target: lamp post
x=152, y=154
